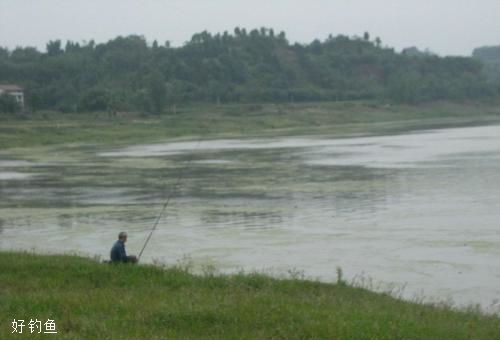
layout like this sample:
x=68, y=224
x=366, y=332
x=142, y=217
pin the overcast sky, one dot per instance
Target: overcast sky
x=447, y=27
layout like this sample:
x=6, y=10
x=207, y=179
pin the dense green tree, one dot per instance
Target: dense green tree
x=94, y=99
x=54, y=48
x=490, y=57
x=127, y=73
x=8, y=104
x=157, y=92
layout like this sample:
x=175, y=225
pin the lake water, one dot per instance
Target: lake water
x=418, y=210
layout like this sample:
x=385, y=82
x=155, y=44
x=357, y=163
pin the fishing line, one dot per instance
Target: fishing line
x=165, y=205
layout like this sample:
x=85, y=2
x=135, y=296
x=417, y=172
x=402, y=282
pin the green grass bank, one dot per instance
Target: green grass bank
x=211, y=121
x=89, y=300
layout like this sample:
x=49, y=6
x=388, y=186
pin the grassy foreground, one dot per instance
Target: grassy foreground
x=239, y=120
x=91, y=300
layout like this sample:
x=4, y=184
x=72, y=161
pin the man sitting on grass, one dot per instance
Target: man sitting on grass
x=118, y=253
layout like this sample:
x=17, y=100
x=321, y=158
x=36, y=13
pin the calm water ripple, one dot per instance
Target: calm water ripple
x=419, y=209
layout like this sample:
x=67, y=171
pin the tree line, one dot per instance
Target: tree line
x=490, y=57
x=131, y=74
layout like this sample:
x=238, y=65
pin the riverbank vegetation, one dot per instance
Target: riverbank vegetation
x=336, y=119
x=87, y=299
x=261, y=65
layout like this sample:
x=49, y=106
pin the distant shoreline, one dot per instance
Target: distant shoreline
x=338, y=119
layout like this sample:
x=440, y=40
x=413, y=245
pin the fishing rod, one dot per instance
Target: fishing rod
x=165, y=205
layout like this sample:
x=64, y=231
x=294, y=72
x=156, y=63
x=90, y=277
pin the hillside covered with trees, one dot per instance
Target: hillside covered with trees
x=490, y=57
x=131, y=74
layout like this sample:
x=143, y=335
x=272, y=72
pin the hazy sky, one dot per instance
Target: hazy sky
x=452, y=27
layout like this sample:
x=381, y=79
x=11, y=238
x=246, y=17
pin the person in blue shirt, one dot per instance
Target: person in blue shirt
x=118, y=253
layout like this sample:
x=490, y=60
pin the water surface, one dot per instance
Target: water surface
x=419, y=209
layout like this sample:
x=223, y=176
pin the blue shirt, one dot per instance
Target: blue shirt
x=118, y=253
